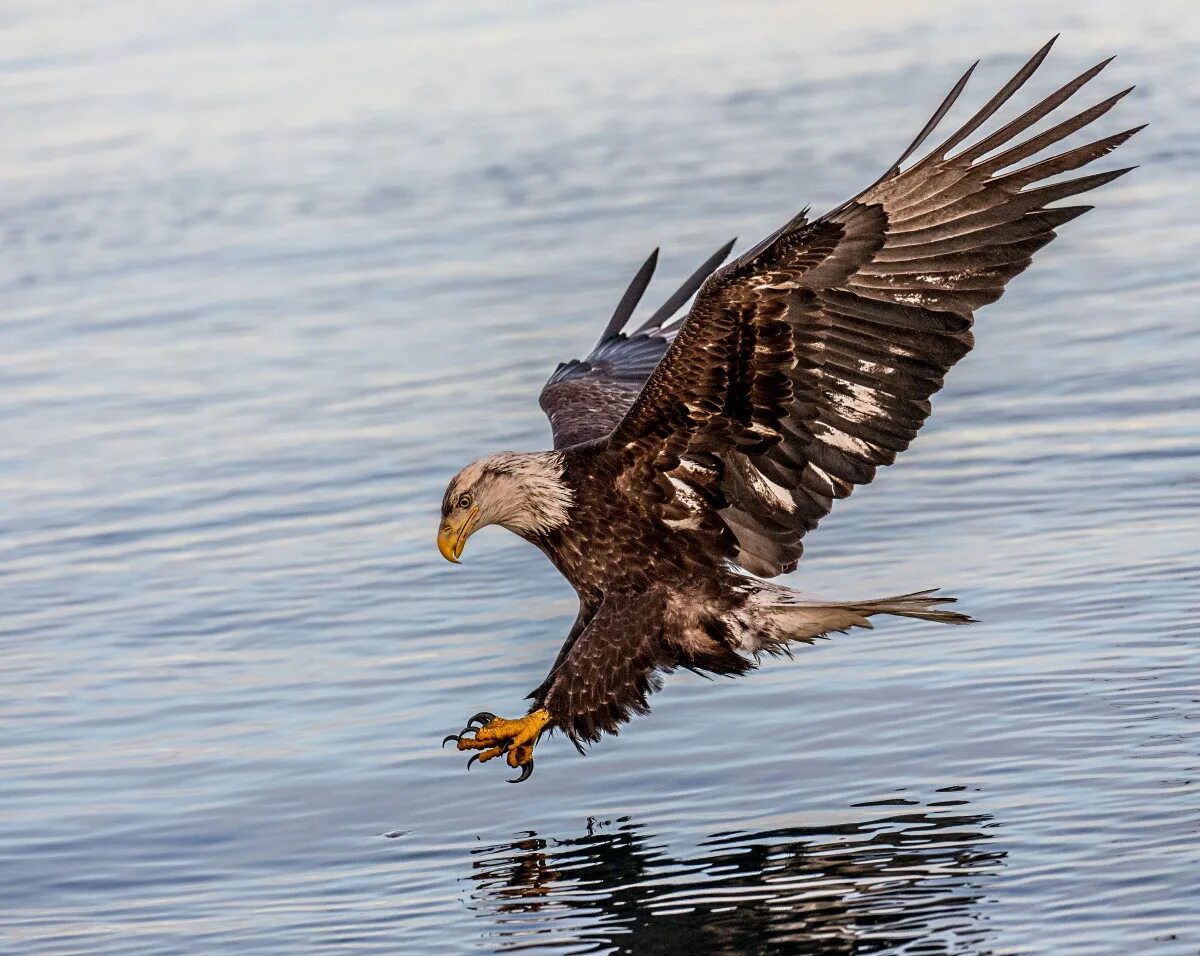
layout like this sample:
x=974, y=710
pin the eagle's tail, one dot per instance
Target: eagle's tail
x=779, y=616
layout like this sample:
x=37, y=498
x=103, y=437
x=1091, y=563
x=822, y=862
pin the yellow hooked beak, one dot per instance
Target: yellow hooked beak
x=453, y=534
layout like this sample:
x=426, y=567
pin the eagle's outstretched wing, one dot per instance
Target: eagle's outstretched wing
x=585, y=399
x=809, y=361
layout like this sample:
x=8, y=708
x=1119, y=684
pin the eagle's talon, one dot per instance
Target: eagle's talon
x=512, y=739
x=449, y=737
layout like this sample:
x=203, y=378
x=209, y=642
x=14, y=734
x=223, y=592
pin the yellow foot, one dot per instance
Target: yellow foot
x=512, y=739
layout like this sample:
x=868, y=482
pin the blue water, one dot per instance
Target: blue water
x=272, y=272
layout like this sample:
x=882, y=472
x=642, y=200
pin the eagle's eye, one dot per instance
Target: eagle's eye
x=464, y=501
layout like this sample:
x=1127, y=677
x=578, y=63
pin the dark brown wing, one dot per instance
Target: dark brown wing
x=604, y=675
x=585, y=399
x=809, y=361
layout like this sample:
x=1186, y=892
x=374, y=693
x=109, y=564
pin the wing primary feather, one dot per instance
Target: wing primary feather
x=991, y=106
x=1035, y=113
x=1064, y=162
x=631, y=298
x=1062, y=130
x=939, y=114
x=688, y=289
x=1072, y=187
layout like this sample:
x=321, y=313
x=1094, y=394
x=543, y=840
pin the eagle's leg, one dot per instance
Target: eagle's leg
x=513, y=739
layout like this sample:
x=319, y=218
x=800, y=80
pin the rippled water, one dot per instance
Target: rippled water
x=272, y=272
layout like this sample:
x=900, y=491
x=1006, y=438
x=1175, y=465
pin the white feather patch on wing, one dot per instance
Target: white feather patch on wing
x=686, y=496
x=860, y=405
x=768, y=491
x=824, y=476
x=843, y=442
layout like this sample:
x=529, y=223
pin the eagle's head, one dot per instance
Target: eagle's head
x=521, y=491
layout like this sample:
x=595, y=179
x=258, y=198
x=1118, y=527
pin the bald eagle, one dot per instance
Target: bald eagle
x=691, y=458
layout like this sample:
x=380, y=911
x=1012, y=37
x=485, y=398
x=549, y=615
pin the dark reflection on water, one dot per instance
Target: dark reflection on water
x=898, y=875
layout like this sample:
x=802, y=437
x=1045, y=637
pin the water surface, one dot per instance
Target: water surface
x=272, y=273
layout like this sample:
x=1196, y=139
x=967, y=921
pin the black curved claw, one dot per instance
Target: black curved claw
x=448, y=738
x=483, y=717
x=526, y=770
x=474, y=757
x=468, y=729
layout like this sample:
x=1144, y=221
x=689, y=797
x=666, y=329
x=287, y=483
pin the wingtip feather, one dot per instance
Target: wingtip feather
x=687, y=290
x=633, y=295
x=1019, y=79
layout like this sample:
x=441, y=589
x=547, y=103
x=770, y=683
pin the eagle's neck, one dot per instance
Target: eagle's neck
x=542, y=499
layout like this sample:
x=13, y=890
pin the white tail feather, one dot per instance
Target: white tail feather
x=779, y=616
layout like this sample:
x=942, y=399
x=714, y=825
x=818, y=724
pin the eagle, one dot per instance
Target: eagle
x=691, y=457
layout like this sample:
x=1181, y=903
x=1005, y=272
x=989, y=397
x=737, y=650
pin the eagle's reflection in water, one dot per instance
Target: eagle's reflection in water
x=899, y=877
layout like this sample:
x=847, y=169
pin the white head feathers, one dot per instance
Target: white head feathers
x=521, y=491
